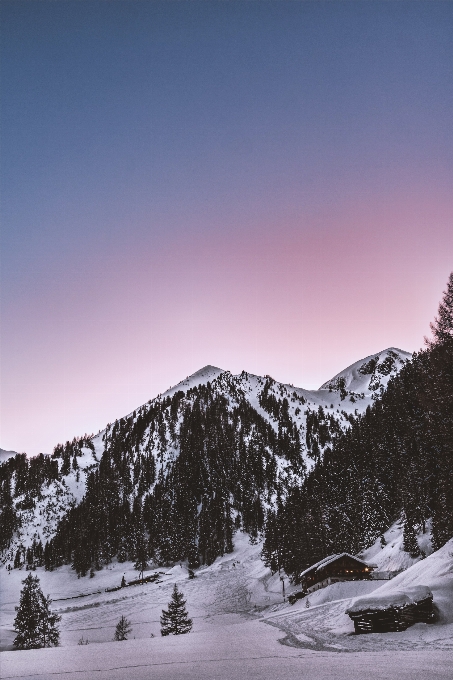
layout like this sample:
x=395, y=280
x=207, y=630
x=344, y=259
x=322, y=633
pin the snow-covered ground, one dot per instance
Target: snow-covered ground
x=245, y=651
x=230, y=603
x=235, y=587
x=391, y=556
x=319, y=621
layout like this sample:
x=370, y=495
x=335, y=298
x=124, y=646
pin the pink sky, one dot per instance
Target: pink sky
x=297, y=303
x=257, y=186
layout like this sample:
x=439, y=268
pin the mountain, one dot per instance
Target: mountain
x=175, y=478
x=370, y=375
x=5, y=455
x=392, y=465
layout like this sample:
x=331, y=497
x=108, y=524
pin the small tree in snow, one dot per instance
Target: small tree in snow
x=175, y=621
x=122, y=630
x=35, y=624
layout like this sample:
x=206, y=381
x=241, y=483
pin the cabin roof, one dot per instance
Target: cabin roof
x=332, y=558
x=390, y=598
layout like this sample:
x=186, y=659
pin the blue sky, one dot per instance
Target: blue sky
x=249, y=175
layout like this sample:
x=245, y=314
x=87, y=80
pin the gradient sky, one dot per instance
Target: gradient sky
x=264, y=186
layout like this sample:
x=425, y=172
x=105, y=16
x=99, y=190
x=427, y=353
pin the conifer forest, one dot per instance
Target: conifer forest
x=176, y=478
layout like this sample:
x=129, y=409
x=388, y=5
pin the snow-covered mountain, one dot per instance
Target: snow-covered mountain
x=369, y=375
x=243, y=446
x=5, y=455
x=286, y=428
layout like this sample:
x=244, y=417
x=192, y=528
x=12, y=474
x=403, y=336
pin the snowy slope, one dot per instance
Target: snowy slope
x=435, y=572
x=331, y=408
x=229, y=602
x=347, y=394
x=391, y=557
x=371, y=374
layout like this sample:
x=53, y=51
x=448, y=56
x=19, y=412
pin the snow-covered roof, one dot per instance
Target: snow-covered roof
x=392, y=598
x=332, y=558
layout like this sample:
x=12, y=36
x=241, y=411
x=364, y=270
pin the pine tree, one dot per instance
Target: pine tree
x=141, y=553
x=175, y=621
x=35, y=624
x=122, y=630
x=442, y=326
x=410, y=544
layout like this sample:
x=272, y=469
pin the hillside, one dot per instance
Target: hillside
x=214, y=448
x=393, y=464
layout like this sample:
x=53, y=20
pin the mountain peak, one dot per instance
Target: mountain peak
x=200, y=377
x=207, y=370
x=371, y=373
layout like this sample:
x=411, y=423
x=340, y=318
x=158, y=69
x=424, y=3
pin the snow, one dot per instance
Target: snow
x=242, y=628
x=5, y=455
x=327, y=560
x=435, y=572
x=356, y=381
x=200, y=377
x=392, y=597
x=325, y=621
x=392, y=557
x=248, y=650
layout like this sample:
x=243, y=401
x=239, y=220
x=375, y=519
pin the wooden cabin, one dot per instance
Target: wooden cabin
x=342, y=567
x=392, y=611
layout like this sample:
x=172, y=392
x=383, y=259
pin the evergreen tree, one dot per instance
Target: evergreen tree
x=122, y=630
x=8, y=518
x=141, y=553
x=410, y=544
x=35, y=624
x=175, y=621
x=442, y=326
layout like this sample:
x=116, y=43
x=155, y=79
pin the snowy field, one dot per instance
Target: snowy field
x=236, y=652
x=242, y=628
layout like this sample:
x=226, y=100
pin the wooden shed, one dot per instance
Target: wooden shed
x=341, y=567
x=393, y=610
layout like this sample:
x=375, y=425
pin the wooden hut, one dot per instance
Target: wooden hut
x=393, y=610
x=341, y=567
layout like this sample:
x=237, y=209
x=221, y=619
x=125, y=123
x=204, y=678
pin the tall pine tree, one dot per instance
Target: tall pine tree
x=35, y=624
x=442, y=326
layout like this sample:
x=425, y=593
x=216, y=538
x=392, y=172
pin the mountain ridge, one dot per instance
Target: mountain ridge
x=272, y=433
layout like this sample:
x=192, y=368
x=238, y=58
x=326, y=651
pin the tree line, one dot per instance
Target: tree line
x=394, y=461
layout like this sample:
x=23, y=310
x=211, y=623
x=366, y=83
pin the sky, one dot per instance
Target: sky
x=264, y=186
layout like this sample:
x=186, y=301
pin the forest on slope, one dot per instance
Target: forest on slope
x=395, y=461
x=173, y=480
